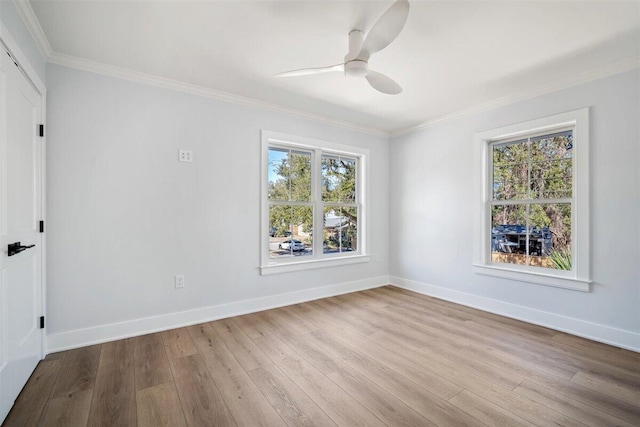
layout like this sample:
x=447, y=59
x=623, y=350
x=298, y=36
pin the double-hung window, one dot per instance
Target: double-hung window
x=313, y=204
x=534, y=210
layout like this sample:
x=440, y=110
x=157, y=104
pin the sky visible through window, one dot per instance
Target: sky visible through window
x=275, y=158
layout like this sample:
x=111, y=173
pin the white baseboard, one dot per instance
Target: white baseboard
x=606, y=334
x=114, y=331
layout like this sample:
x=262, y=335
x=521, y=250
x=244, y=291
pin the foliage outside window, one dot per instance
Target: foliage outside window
x=312, y=204
x=533, y=225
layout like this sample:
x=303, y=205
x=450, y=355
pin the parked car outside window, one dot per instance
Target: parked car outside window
x=292, y=244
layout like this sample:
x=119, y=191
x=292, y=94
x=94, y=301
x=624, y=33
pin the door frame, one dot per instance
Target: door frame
x=9, y=43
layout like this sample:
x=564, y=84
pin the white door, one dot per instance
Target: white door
x=20, y=213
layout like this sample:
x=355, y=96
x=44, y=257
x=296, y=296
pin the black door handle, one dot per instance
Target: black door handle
x=15, y=248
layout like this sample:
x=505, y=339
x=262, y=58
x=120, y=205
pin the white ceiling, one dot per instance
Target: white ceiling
x=451, y=56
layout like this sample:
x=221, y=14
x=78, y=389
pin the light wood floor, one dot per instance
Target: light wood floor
x=379, y=357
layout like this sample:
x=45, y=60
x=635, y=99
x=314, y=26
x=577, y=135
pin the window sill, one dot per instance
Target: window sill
x=267, y=270
x=533, y=277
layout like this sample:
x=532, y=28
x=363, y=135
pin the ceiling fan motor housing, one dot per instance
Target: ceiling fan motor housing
x=356, y=68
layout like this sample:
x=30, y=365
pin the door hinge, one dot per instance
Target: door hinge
x=12, y=60
x=42, y=226
x=41, y=130
x=41, y=322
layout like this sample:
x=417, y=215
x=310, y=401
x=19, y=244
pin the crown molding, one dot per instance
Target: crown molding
x=585, y=77
x=178, y=86
x=33, y=25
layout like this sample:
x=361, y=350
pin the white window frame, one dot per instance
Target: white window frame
x=579, y=278
x=318, y=259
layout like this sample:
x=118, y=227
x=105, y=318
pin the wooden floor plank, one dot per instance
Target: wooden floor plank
x=159, y=406
x=293, y=405
x=150, y=361
x=276, y=322
x=299, y=323
x=306, y=346
x=613, y=356
x=59, y=355
x=251, y=325
x=68, y=410
x=378, y=401
x=201, y=400
x=78, y=372
x=489, y=413
x=114, y=398
x=178, y=343
x=245, y=401
x=565, y=404
x=619, y=408
x=243, y=349
x=586, y=379
x=453, y=334
x=530, y=347
x=437, y=384
x=303, y=346
x=34, y=396
x=444, y=358
x=417, y=396
x=202, y=330
x=334, y=309
x=333, y=322
x=337, y=404
x=365, y=300
x=527, y=409
x=314, y=319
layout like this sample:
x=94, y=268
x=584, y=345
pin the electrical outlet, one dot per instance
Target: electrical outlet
x=179, y=281
x=185, y=156
x=378, y=258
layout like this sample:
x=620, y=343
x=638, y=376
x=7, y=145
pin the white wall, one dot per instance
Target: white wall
x=431, y=198
x=124, y=216
x=13, y=22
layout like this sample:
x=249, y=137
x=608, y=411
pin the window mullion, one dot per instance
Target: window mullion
x=316, y=198
x=289, y=174
x=288, y=203
x=528, y=201
x=529, y=168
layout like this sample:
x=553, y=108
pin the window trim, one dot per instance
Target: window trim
x=580, y=277
x=318, y=259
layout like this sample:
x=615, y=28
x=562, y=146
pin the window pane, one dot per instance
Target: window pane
x=290, y=231
x=340, y=231
x=552, y=166
x=510, y=182
x=548, y=235
x=278, y=174
x=338, y=179
x=289, y=175
x=509, y=234
x=551, y=235
x=510, y=171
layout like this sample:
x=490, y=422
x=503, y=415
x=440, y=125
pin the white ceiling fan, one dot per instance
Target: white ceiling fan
x=356, y=62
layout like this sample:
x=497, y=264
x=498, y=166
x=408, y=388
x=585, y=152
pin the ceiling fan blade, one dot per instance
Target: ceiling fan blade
x=386, y=29
x=382, y=83
x=306, y=71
